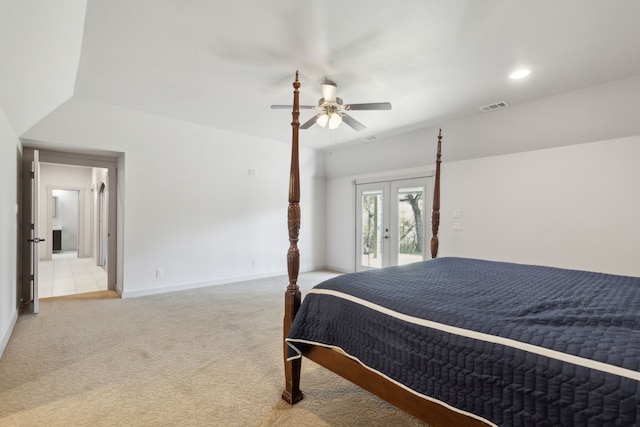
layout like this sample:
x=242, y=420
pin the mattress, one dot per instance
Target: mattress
x=510, y=344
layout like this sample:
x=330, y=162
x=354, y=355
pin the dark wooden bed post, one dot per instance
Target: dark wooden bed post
x=435, y=214
x=292, y=393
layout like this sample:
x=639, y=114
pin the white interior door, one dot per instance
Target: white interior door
x=391, y=222
x=35, y=231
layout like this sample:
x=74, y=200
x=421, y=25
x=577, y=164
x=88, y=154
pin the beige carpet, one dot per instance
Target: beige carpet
x=204, y=357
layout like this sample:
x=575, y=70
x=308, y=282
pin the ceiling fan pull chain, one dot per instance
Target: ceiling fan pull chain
x=333, y=140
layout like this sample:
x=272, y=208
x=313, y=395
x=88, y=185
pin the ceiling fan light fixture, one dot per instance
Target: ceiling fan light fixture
x=334, y=120
x=322, y=120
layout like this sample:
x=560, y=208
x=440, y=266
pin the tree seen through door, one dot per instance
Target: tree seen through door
x=372, y=229
x=410, y=225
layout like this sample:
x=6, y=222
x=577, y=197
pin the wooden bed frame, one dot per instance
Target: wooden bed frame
x=428, y=411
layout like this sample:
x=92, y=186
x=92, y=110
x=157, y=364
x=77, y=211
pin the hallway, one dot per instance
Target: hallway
x=66, y=274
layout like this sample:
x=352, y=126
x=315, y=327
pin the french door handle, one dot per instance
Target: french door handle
x=37, y=240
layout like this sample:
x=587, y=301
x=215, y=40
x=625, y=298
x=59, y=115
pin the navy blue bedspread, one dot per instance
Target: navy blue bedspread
x=567, y=351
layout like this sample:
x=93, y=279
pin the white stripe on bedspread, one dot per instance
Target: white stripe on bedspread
x=576, y=360
x=290, y=343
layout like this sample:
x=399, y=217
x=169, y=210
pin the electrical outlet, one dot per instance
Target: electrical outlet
x=457, y=213
x=457, y=226
x=159, y=272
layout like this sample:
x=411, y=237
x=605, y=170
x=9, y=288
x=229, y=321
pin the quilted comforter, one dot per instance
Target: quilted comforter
x=510, y=344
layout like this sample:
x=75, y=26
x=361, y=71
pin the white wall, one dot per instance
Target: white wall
x=40, y=44
x=573, y=206
x=191, y=207
x=9, y=144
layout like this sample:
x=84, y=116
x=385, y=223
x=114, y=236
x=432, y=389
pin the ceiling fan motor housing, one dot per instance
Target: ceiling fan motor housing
x=329, y=90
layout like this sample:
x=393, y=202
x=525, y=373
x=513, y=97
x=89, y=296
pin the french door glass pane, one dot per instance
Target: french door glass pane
x=410, y=225
x=372, y=228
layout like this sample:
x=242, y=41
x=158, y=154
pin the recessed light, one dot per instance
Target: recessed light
x=519, y=74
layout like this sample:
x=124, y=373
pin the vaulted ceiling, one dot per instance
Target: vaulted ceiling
x=223, y=64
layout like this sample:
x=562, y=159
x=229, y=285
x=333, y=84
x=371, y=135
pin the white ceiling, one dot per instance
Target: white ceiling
x=223, y=64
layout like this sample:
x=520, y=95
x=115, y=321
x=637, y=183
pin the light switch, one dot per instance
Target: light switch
x=457, y=226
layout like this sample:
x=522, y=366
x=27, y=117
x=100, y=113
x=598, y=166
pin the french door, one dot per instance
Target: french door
x=391, y=218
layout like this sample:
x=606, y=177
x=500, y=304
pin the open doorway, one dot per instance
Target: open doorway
x=65, y=212
x=77, y=221
x=70, y=264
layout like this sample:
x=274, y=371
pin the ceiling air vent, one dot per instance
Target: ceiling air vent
x=496, y=106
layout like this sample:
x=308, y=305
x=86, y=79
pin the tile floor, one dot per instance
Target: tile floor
x=66, y=274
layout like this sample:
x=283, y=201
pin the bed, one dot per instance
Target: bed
x=467, y=342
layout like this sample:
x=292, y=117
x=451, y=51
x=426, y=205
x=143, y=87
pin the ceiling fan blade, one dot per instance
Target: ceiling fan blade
x=289, y=107
x=369, y=106
x=353, y=122
x=310, y=122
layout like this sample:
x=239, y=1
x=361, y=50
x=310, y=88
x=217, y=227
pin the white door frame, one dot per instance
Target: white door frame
x=102, y=226
x=35, y=236
x=114, y=245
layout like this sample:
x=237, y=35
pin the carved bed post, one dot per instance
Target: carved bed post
x=435, y=214
x=292, y=393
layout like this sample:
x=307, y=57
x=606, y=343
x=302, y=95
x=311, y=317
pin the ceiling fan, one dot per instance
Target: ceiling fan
x=333, y=111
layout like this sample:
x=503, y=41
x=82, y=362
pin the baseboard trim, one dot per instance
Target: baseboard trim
x=187, y=286
x=338, y=269
x=7, y=336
